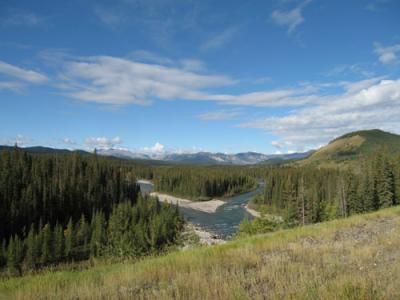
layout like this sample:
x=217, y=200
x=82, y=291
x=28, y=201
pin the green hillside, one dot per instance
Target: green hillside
x=354, y=258
x=348, y=147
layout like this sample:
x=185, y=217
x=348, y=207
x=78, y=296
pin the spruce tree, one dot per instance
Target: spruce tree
x=31, y=258
x=97, y=240
x=58, y=243
x=12, y=263
x=69, y=240
x=47, y=243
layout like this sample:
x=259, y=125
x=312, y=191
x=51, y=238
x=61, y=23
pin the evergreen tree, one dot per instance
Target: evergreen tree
x=47, y=243
x=97, y=240
x=69, y=240
x=58, y=243
x=31, y=256
x=385, y=183
x=83, y=237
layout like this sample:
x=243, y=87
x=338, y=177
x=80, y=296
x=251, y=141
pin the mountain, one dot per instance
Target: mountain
x=44, y=150
x=125, y=154
x=207, y=158
x=350, y=146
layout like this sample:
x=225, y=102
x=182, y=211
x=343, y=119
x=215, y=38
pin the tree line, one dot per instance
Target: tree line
x=203, y=183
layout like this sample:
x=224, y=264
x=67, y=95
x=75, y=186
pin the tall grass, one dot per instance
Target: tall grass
x=356, y=258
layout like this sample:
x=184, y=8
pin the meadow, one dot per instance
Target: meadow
x=353, y=258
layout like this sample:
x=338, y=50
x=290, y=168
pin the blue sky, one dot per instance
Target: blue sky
x=171, y=75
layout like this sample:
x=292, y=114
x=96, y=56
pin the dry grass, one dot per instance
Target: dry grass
x=356, y=258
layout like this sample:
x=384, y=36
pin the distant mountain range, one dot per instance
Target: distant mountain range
x=206, y=158
x=246, y=158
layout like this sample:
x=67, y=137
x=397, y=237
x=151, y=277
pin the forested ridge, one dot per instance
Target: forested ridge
x=56, y=208
x=305, y=195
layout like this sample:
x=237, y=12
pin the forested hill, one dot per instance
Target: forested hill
x=63, y=208
x=351, y=146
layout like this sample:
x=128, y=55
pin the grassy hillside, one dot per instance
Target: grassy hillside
x=355, y=258
x=349, y=147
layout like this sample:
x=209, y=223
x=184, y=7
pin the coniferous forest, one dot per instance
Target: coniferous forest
x=204, y=183
x=305, y=195
x=71, y=207
x=63, y=208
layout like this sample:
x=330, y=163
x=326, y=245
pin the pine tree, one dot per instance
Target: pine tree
x=14, y=255
x=385, y=184
x=58, y=243
x=69, y=240
x=98, y=234
x=19, y=253
x=83, y=236
x=47, y=243
x=31, y=258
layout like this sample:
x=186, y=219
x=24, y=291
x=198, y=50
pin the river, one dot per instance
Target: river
x=225, y=221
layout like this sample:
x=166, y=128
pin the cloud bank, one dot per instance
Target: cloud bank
x=364, y=105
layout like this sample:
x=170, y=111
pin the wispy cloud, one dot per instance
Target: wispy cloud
x=118, y=81
x=19, y=140
x=375, y=4
x=387, y=55
x=157, y=148
x=21, y=18
x=290, y=19
x=108, y=16
x=221, y=39
x=190, y=64
x=11, y=85
x=22, y=74
x=220, y=115
x=350, y=70
x=362, y=105
x=150, y=57
x=68, y=141
x=102, y=142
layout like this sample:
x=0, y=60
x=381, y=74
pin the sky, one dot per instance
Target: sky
x=160, y=76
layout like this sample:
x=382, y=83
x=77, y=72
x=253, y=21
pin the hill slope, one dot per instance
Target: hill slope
x=354, y=258
x=351, y=145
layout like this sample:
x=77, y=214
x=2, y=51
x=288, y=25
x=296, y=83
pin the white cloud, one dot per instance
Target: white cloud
x=387, y=55
x=157, y=148
x=22, y=74
x=69, y=141
x=290, y=19
x=220, y=40
x=219, y=115
x=103, y=142
x=277, y=144
x=19, y=140
x=361, y=106
x=118, y=81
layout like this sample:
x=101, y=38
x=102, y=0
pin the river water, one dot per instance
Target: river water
x=225, y=221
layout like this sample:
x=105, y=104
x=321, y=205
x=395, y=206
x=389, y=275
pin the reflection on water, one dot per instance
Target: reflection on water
x=225, y=221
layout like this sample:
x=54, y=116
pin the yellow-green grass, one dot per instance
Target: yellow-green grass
x=355, y=258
